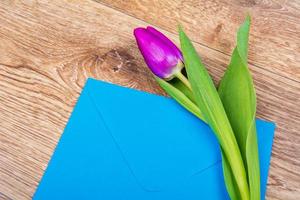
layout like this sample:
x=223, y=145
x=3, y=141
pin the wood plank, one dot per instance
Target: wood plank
x=275, y=31
x=47, y=51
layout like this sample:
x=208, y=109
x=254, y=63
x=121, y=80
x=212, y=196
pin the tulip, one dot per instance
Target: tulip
x=160, y=54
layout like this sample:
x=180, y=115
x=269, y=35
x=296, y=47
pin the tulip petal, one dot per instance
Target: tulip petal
x=166, y=40
x=158, y=54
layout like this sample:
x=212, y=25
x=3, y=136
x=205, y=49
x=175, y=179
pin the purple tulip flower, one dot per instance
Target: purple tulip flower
x=161, y=55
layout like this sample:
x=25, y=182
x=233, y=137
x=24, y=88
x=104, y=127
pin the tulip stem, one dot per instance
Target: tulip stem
x=183, y=79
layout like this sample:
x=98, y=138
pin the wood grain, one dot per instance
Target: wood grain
x=47, y=51
x=275, y=31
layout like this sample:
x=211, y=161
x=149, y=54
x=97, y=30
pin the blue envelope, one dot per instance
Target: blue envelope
x=124, y=144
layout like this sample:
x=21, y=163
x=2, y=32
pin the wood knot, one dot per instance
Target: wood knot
x=117, y=59
x=216, y=32
x=218, y=29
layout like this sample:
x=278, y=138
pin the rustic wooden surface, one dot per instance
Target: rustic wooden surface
x=48, y=49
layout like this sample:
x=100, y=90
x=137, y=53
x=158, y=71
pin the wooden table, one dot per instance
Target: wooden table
x=49, y=49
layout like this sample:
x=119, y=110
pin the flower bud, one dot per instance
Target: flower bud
x=160, y=54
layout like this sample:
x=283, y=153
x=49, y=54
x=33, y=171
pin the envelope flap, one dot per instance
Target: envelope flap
x=169, y=148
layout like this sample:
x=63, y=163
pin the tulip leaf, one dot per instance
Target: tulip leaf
x=209, y=102
x=229, y=179
x=183, y=88
x=237, y=93
x=180, y=97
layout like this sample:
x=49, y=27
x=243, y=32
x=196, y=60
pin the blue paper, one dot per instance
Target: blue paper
x=124, y=144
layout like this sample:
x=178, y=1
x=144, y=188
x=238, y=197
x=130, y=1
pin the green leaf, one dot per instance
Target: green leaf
x=183, y=88
x=208, y=101
x=237, y=93
x=231, y=186
x=180, y=96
